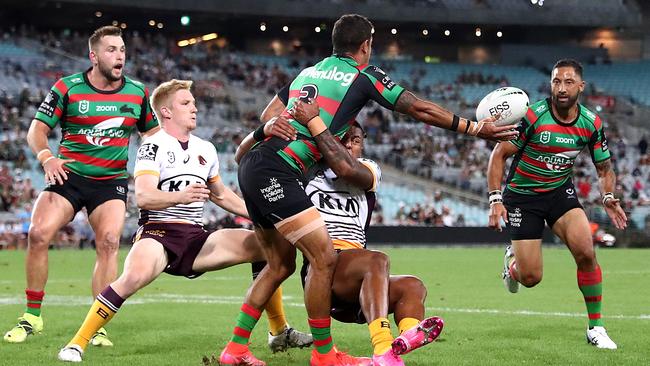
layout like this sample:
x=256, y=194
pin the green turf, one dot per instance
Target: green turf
x=175, y=321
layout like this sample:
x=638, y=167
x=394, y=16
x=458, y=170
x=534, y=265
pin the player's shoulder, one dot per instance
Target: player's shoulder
x=367, y=161
x=539, y=108
x=589, y=116
x=201, y=142
x=371, y=164
x=374, y=71
x=160, y=139
x=68, y=82
x=150, y=146
x=135, y=83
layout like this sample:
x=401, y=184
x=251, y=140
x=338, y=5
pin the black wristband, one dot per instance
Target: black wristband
x=467, y=126
x=454, y=123
x=259, y=135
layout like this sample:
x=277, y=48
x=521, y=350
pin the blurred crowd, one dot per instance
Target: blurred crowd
x=228, y=88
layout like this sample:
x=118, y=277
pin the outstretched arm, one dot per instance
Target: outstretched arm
x=607, y=184
x=435, y=115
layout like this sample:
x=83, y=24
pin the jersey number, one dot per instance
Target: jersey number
x=309, y=91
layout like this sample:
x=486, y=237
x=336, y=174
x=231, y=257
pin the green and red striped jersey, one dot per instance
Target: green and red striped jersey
x=548, y=148
x=341, y=88
x=96, y=124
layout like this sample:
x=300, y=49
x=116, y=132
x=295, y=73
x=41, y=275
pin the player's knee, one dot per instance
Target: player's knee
x=107, y=244
x=325, y=263
x=585, y=259
x=415, y=286
x=281, y=271
x=530, y=279
x=39, y=237
x=129, y=283
x=379, y=263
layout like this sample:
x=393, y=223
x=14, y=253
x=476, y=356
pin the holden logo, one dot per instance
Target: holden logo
x=545, y=137
x=84, y=106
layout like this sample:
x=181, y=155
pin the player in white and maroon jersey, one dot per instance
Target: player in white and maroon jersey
x=175, y=174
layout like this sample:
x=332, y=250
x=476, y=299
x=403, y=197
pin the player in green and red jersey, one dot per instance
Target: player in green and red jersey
x=539, y=188
x=98, y=110
x=272, y=180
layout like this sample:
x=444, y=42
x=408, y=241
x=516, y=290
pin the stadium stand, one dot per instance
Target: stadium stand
x=232, y=87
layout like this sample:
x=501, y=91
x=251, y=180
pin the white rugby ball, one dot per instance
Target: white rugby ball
x=510, y=103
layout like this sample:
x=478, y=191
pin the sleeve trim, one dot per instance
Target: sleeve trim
x=146, y=172
x=373, y=188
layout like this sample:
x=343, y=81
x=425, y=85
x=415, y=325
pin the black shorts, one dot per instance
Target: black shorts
x=90, y=193
x=182, y=243
x=341, y=310
x=272, y=190
x=527, y=213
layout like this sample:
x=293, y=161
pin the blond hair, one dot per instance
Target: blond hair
x=107, y=30
x=162, y=93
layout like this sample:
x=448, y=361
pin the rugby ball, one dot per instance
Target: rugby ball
x=509, y=103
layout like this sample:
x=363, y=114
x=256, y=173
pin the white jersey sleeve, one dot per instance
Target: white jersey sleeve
x=376, y=173
x=148, y=158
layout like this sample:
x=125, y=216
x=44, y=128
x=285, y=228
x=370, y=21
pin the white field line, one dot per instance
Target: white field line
x=159, y=279
x=55, y=300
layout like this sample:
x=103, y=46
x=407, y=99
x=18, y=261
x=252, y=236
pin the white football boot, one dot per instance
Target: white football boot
x=599, y=338
x=71, y=353
x=511, y=284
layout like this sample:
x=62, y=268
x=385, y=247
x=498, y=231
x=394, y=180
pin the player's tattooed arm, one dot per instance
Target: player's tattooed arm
x=607, y=183
x=606, y=176
x=435, y=115
x=335, y=154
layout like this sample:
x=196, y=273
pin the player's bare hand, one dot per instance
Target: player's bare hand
x=55, y=170
x=195, y=192
x=486, y=129
x=280, y=127
x=303, y=112
x=497, y=212
x=616, y=213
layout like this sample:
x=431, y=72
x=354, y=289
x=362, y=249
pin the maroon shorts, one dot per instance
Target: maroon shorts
x=182, y=242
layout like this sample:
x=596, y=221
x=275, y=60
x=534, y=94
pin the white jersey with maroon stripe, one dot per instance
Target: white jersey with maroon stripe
x=177, y=165
x=345, y=208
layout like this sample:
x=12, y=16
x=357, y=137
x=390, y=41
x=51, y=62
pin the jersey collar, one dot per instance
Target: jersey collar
x=550, y=110
x=116, y=90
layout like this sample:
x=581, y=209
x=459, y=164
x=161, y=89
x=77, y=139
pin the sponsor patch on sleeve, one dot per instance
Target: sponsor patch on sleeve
x=147, y=152
x=49, y=104
x=380, y=75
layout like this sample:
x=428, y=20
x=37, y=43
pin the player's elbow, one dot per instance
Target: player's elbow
x=238, y=154
x=143, y=201
x=343, y=169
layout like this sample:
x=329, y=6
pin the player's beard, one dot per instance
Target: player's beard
x=107, y=72
x=564, y=105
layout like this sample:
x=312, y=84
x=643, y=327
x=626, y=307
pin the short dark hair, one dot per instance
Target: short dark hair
x=569, y=62
x=349, y=32
x=356, y=123
x=107, y=30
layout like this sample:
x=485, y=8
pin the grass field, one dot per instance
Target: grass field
x=176, y=321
